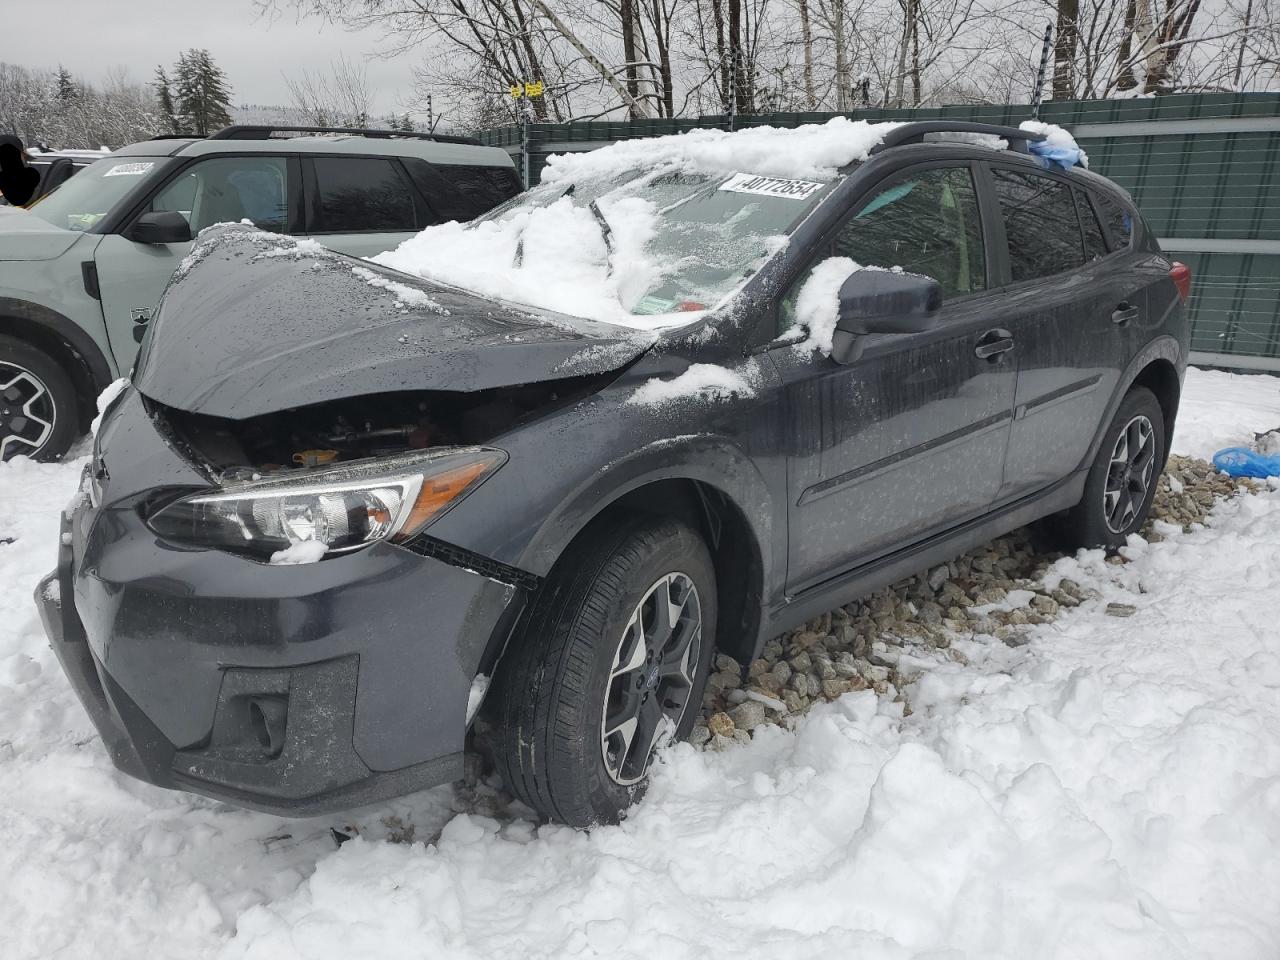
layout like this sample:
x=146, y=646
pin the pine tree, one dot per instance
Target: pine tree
x=66, y=86
x=204, y=99
x=164, y=100
x=407, y=124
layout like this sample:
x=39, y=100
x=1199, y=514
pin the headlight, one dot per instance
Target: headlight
x=329, y=511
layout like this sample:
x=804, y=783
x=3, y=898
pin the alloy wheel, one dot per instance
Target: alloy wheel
x=27, y=412
x=1129, y=474
x=652, y=676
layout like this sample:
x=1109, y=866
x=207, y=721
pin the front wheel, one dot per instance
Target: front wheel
x=38, y=413
x=1122, y=481
x=609, y=665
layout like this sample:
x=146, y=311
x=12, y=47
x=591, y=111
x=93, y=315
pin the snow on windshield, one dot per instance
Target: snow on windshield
x=648, y=233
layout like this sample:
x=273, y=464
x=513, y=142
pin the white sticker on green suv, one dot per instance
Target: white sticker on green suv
x=129, y=169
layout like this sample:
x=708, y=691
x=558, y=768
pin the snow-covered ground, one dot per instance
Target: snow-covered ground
x=1111, y=790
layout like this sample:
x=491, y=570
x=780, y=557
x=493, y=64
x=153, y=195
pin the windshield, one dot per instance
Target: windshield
x=91, y=194
x=635, y=246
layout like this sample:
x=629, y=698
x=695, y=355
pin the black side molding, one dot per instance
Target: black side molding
x=89, y=271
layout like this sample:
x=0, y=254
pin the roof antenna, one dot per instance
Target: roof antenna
x=1037, y=94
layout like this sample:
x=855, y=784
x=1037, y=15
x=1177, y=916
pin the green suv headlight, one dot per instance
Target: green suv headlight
x=328, y=511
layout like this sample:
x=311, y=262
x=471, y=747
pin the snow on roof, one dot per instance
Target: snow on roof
x=810, y=151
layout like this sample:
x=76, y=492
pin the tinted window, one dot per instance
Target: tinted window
x=361, y=194
x=1118, y=220
x=1094, y=246
x=462, y=193
x=1041, y=224
x=927, y=224
x=228, y=190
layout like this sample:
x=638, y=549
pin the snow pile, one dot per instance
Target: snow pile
x=705, y=381
x=405, y=295
x=818, y=304
x=105, y=399
x=564, y=260
x=300, y=551
x=814, y=151
x=1110, y=790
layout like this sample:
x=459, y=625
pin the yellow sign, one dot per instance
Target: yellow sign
x=531, y=89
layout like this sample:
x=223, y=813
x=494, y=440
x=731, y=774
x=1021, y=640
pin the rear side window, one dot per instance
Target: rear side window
x=1095, y=247
x=361, y=195
x=1118, y=221
x=459, y=192
x=1040, y=223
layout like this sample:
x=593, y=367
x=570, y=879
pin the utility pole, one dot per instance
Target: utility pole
x=1038, y=93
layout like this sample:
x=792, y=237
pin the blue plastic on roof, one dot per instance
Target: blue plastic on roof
x=1052, y=155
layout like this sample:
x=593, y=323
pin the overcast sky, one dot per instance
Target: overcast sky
x=91, y=36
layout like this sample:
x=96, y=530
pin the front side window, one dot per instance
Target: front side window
x=361, y=195
x=1040, y=224
x=927, y=224
x=229, y=190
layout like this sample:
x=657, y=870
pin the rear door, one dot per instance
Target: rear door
x=361, y=205
x=214, y=189
x=910, y=438
x=1068, y=301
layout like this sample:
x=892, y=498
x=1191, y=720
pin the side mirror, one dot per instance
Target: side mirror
x=882, y=301
x=167, y=226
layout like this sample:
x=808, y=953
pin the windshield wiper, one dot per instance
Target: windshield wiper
x=606, y=231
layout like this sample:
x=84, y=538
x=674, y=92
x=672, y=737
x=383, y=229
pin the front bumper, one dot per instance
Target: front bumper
x=295, y=690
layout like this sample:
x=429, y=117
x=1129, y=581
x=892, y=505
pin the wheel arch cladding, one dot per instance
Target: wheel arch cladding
x=57, y=336
x=723, y=524
x=1160, y=376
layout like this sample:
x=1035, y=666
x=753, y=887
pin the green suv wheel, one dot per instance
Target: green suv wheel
x=38, y=415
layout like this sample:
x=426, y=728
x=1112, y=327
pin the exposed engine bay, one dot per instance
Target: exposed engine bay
x=359, y=428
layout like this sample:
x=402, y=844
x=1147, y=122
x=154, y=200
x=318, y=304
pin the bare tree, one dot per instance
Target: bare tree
x=340, y=98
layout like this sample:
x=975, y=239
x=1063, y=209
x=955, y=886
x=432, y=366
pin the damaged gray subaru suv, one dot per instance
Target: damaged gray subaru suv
x=532, y=473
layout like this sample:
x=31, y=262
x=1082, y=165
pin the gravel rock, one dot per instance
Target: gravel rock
x=720, y=725
x=747, y=716
x=699, y=735
x=801, y=662
x=1121, y=610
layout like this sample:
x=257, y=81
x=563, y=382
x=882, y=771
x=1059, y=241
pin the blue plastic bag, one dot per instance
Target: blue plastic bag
x=1052, y=155
x=1243, y=462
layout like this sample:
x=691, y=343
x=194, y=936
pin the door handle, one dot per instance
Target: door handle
x=993, y=344
x=1123, y=313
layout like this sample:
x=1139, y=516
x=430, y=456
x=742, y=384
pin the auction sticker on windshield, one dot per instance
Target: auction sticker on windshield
x=771, y=186
x=129, y=169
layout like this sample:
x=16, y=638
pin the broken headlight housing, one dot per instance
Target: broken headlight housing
x=338, y=509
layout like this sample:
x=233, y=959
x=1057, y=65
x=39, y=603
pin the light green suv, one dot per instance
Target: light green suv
x=82, y=269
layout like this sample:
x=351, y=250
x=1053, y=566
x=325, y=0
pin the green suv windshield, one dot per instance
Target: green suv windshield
x=91, y=194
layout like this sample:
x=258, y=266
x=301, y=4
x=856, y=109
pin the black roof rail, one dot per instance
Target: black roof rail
x=246, y=131
x=916, y=131
x=175, y=136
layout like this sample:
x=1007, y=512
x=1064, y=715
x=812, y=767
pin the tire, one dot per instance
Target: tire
x=575, y=654
x=1122, y=481
x=39, y=414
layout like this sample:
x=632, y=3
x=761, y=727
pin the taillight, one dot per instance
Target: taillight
x=1180, y=273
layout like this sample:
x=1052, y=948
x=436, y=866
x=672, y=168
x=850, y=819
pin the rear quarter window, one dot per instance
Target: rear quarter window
x=462, y=192
x=1117, y=220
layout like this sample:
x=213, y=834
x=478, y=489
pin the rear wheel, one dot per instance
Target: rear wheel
x=1122, y=481
x=38, y=413
x=609, y=665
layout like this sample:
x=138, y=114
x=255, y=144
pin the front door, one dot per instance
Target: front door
x=132, y=275
x=910, y=438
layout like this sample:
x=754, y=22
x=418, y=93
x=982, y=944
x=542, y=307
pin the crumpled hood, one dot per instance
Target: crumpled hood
x=255, y=323
x=24, y=236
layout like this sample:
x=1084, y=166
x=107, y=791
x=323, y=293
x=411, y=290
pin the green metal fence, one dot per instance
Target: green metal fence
x=1203, y=168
